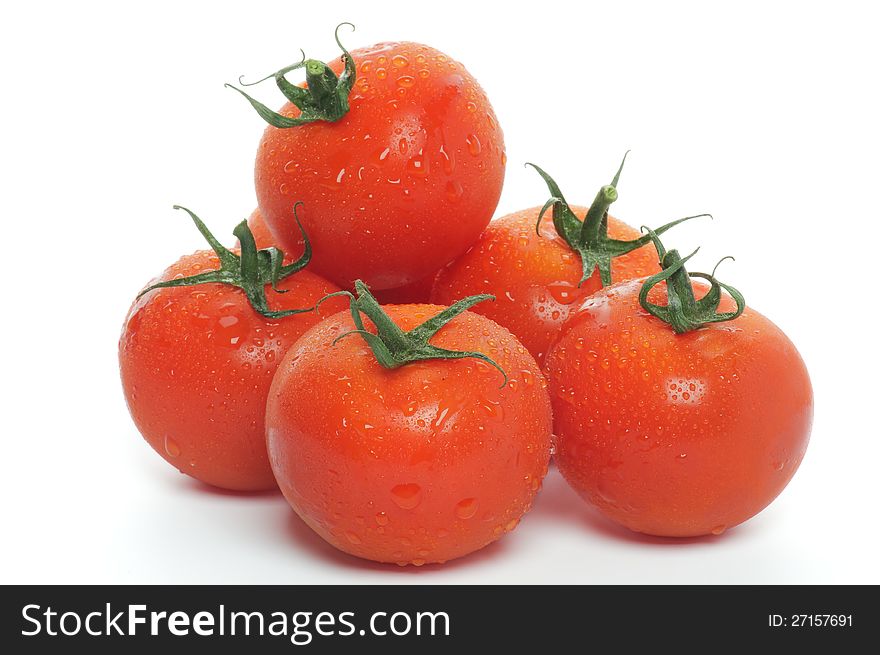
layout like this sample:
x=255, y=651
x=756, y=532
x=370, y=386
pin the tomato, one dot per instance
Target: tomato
x=418, y=292
x=676, y=434
x=196, y=365
x=534, y=277
x=399, y=185
x=417, y=464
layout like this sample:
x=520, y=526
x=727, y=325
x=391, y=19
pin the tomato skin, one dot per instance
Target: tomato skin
x=534, y=278
x=196, y=364
x=400, y=185
x=418, y=464
x=676, y=435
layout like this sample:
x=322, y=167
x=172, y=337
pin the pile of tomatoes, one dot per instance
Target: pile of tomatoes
x=403, y=369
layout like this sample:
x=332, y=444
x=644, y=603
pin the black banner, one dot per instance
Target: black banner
x=432, y=619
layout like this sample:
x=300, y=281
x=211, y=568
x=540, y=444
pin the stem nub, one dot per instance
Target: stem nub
x=251, y=271
x=682, y=311
x=325, y=97
x=589, y=238
x=392, y=346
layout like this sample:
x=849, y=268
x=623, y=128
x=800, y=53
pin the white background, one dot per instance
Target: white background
x=764, y=113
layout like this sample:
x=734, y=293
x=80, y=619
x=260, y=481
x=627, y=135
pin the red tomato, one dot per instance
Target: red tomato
x=196, y=365
x=676, y=434
x=401, y=184
x=417, y=464
x=534, y=278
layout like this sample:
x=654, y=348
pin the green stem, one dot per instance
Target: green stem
x=325, y=97
x=682, y=310
x=392, y=346
x=251, y=271
x=589, y=238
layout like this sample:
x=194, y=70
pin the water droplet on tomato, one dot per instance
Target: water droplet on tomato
x=448, y=161
x=399, y=61
x=289, y=166
x=471, y=107
x=562, y=292
x=406, y=496
x=778, y=466
x=352, y=538
x=466, y=508
x=406, y=81
x=381, y=73
x=511, y=525
x=718, y=529
x=171, y=447
x=381, y=518
x=473, y=144
x=423, y=73
x=454, y=190
x=418, y=562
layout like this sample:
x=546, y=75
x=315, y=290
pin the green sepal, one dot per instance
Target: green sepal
x=682, y=311
x=325, y=97
x=392, y=346
x=589, y=238
x=251, y=271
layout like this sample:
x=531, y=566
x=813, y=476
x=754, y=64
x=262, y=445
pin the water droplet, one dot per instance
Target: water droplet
x=503, y=158
x=718, y=529
x=473, y=145
x=418, y=562
x=471, y=107
x=448, y=161
x=171, y=447
x=454, y=190
x=381, y=518
x=283, y=189
x=406, y=81
x=289, y=166
x=424, y=73
x=562, y=292
x=511, y=525
x=466, y=508
x=778, y=466
x=352, y=538
x=381, y=73
x=399, y=61
x=406, y=496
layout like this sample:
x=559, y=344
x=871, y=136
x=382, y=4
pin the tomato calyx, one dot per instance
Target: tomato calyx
x=682, y=311
x=325, y=97
x=251, y=271
x=589, y=238
x=392, y=346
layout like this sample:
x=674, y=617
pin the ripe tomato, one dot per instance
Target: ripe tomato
x=534, y=277
x=398, y=186
x=676, y=434
x=417, y=464
x=196, y=365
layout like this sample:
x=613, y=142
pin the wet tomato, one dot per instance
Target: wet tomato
x=676, y=434
x=417, y=464
x=399, y=185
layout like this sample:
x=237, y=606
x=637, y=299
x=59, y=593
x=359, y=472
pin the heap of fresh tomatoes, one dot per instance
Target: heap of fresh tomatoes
x=398, y=365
